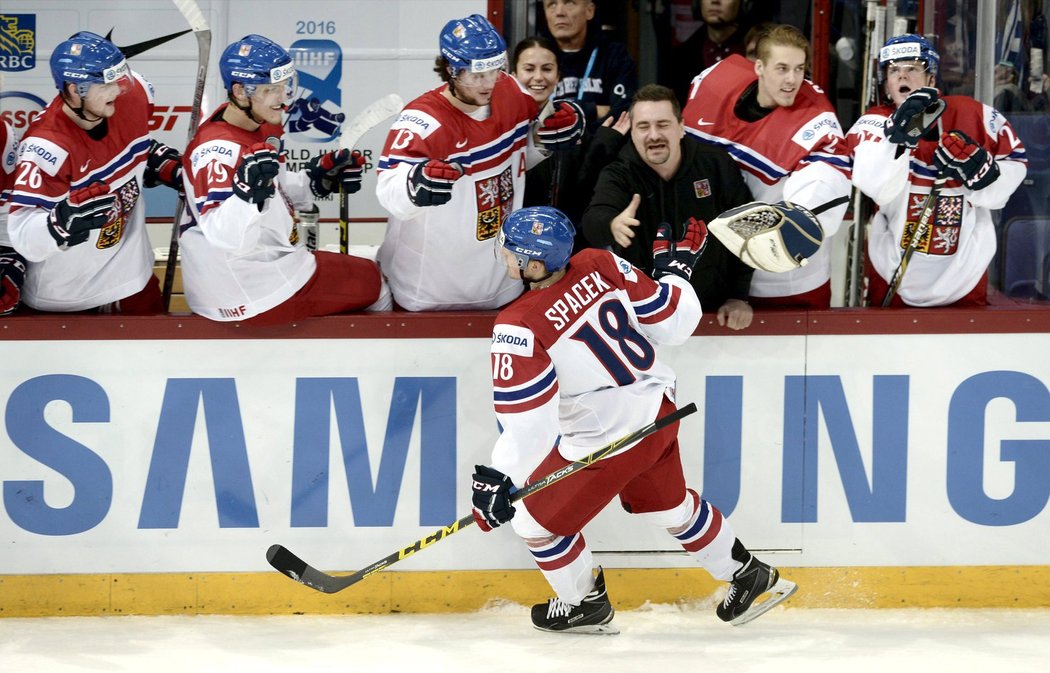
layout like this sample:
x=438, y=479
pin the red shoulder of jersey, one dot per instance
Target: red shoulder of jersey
x=431, y=127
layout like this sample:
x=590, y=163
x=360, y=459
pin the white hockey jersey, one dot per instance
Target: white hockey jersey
x=238, y=262
x=794, y=154
x=956, y=252
x=57, y=156
x=443, y=257
x=578, y=359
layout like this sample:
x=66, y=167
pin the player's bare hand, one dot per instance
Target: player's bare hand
x=621, y=124
x=622, y=226
x=735, y=314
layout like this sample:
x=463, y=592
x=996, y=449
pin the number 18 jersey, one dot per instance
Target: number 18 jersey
x=578, y=359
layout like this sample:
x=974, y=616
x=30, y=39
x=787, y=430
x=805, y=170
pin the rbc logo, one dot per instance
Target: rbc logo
x=17, y=42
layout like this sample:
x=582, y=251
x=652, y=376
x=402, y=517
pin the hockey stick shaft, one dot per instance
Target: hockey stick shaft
x=287, y=563
x=192, y=13
x=365, y=121
x=929, y=207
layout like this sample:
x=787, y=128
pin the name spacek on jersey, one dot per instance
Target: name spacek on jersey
x=579, y=359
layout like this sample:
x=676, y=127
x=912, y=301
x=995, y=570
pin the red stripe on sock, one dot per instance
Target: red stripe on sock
x=566, y=558
x=712, y=531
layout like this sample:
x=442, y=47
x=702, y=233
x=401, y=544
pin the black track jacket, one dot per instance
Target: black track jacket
x=707, y=184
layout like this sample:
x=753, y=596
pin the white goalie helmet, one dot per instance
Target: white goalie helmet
x=774, y=237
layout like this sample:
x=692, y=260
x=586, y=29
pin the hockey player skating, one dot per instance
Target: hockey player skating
x=452, y=169
x=239, y=260
x=784, y=135
x=899, y=150
x=575, y=357
x=76, y=212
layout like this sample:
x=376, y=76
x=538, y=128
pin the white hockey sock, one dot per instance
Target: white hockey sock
x=709, y=539
x=705, y=533
x=567, y=564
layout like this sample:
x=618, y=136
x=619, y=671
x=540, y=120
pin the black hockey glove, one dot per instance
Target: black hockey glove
x=959, y=156
x=430, y=183
x=563, y=129
x=253, y=181
x=332, y=170
x=914, y=117
x=678, y=257
x=163, y=167
x=491, y=497
x=12, y=275
x=71, y=221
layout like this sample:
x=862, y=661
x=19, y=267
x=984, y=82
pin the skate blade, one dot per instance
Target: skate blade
x=778, y=593
x=591, y=630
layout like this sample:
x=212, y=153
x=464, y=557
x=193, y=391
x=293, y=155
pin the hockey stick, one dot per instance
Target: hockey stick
x=299, y=570
x=192, y=13
x=929, y=207
x=368, y=119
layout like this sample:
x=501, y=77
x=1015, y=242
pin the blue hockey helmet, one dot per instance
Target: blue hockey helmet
x=85, y=59
x=541, y=233
x=473, y=44
x=908, y=48
x=254, y=60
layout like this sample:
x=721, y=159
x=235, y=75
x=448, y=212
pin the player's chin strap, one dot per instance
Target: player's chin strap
x=79, y=111
x=247, y=110
x=529, y=282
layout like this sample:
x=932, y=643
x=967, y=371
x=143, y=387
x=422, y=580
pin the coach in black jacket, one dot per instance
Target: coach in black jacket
x=664, y=176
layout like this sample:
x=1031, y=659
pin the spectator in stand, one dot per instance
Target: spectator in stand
x=12, y=264
x=566, y=180
x=596, y=72
x=241, y=257
x=722, y=33
x=453, y=168
x=76, y=215
x=664, y=177
x=900, y=149
x=784, y=135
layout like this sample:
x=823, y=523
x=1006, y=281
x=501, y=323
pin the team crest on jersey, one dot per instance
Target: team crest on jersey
x=702, y=188
x=495, y=197
x=111, y=234
x=943, y=237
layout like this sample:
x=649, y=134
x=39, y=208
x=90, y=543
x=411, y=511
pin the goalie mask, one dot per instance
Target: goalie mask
x=775, y=237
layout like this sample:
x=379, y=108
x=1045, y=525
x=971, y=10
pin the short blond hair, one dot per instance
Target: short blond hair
x=782, y=35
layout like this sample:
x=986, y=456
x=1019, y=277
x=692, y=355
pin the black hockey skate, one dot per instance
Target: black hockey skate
x=750, y=582
x=590, y=616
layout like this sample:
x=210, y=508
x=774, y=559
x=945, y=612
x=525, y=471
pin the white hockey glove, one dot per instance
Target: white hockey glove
x=774, y=237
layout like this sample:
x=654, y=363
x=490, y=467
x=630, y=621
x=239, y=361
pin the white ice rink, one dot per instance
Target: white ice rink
x=657, y=639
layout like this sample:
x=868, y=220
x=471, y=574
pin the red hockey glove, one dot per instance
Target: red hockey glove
x=563, y=129
x=12, y=275
x=678, y=257
x=959, y=156
x=430, y=183
x=71, y=221
x=491, y=497
x=332, y=170
x=253, y=181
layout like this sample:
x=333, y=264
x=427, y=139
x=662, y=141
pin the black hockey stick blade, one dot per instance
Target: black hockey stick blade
x=293, y=567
